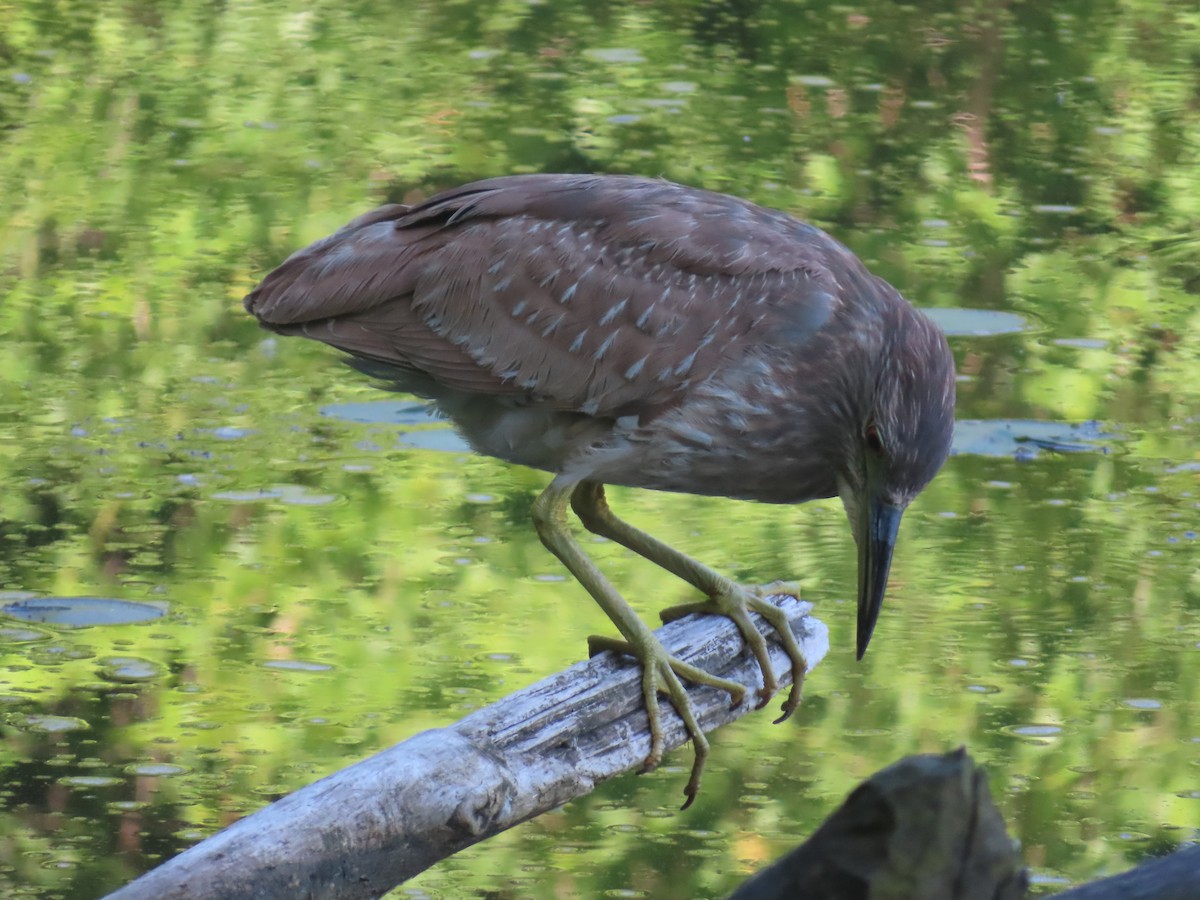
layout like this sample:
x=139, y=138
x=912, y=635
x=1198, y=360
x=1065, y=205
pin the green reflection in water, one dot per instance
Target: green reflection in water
x=332, y=591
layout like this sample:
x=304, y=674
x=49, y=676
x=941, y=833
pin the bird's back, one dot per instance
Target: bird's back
x=607, y=296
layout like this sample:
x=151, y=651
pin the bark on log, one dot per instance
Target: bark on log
x=361, y=831
x=925, y=827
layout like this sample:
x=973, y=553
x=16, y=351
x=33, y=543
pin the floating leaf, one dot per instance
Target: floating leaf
x=128, y=669
x=80, y=612
x=976, y=322
x=39, y=724
x=1023, y=437
x=382, y=412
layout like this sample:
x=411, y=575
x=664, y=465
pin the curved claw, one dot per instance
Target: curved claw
x=779, y=621
x=660, y=675
x=734, y=602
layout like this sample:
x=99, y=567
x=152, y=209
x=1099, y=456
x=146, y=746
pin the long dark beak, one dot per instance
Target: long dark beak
x=875, y=545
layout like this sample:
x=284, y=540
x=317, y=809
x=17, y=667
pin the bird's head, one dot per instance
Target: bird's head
x=899, y=439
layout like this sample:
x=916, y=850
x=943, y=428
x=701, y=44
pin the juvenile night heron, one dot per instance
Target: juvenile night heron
x=621, y=330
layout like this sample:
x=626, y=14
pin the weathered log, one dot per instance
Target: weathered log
x=363, y=830
x=924, y=827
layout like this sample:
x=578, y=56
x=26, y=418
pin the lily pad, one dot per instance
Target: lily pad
x=400, y=412
x=44, y=724
x=155, y=770
x=89, y=781
x=297, y=665
x=1025, y=438
x=615, y=55
x=976, y=322
x=11, y=634
x=382, y=412
x=295, y=494
x=80, y=612
x=444, y=440
x=128, y=669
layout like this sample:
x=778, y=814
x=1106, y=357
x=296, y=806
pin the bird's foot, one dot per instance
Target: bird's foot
x=736, y=602
x=660, y=675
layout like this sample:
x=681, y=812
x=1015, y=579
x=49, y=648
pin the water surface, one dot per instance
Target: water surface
x=338, y=573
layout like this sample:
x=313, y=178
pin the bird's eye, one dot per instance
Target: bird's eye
x=873, y=440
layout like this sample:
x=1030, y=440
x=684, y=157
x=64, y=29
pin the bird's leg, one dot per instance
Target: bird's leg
x=725, y=597
x=660, y=670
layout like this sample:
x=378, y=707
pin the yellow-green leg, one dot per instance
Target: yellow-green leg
x=660, y=670
x=725, y=597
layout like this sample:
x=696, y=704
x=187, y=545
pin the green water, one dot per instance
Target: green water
x=330, y=588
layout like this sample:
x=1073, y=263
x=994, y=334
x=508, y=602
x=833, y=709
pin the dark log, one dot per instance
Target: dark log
x=1174, y=877
x=924, y=827
x=363, y=830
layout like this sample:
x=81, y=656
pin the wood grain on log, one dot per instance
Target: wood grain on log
x=363, y=830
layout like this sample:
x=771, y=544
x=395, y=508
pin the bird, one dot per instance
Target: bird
x=621, y=330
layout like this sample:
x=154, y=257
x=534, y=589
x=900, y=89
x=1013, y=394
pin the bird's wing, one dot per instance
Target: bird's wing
x=602, y=294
